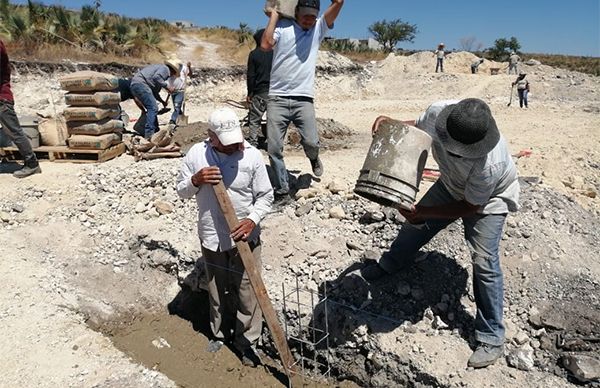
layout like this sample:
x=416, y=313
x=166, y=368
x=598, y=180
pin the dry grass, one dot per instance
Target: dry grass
x=227, y=40
x=589, y=65
x=365, y=56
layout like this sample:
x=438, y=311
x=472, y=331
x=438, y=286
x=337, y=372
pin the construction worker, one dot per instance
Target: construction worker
x=522, y=89
x=439, y=53
x=295, y=45
x=146, y=85
x=479, y=185
x=235, y=315
x=513, y=63
x=258, y=76
x=10, y=122
x=475, y=66
x=177, y=84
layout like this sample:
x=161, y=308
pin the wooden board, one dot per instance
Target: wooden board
x=257, y=283
x=63, y=154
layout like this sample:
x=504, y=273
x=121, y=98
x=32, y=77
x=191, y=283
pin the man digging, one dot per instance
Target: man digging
x=479, y=185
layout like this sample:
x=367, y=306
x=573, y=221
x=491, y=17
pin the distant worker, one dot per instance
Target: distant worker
x=146, y=85
x=522, y=89
x=235, y=315
x=178, y=84
x=295, y=45
x=258, y=76
x=10, y=122
x=513, y=63
x=475, y=65
x=440, y=58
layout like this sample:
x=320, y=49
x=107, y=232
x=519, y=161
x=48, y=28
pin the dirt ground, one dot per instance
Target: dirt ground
x=91, y=299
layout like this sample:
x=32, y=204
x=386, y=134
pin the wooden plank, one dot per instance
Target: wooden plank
x=63, y=154
x=256, y=281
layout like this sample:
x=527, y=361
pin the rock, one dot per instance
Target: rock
x=371, y=255
x=574, y=182
x=533, y=62
x=521, y=358
x=303, y=210
x=337, y=186
x=307, y=193
x=140, y=207
x=163, y=207
x=403, y=288
x=337, y=212
x=521, y=338
x=161, y=343
x=439, y=324
x=18, y=208
x=4, y=217
x=371, y=217
x=353, y=246
x=584, y=368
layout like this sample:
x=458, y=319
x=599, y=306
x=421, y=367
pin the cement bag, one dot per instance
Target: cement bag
x=92, y=113
x=92, y=99
x=88, y=81
x=101, y=142
x=53, y=131
x=94, y=129
x=286, y=8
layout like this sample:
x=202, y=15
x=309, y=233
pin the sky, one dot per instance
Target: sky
x=569, y=27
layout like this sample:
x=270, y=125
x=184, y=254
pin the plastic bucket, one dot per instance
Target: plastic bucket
x=394, y=165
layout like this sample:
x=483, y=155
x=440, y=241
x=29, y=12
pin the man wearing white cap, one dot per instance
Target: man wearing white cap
x=235, y=315
x=295, y=45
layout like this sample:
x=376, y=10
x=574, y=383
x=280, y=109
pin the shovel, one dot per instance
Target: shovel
x=512, y=88
x=182, y=119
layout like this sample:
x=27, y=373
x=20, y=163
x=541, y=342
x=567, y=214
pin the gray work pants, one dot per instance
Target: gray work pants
x=12, y=129
x=234, y=310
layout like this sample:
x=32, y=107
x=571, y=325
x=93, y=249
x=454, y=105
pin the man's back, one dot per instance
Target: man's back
x=5, y=92
x=259, y=71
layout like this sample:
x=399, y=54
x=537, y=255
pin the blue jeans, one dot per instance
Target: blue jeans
x=522, y=97
x=12, y=129
x=281, y=111
x=483, y=233
x=143, y=93
x=177, y=103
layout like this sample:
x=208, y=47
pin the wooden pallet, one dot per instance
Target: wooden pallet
x=63, y=154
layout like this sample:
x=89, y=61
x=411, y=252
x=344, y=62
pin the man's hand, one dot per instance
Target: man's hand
x=243, y=230
x=377, y=123
x=271, y=12
x=207, y=175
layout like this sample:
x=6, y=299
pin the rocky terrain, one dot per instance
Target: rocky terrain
x=95, y=255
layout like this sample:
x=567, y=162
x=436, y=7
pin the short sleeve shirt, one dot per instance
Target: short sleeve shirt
x=490, y=181
x=295, y=58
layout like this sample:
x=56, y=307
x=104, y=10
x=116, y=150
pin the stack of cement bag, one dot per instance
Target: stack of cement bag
x=93, y=114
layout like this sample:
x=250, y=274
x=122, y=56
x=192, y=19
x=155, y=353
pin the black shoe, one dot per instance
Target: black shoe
x=28, y=169
x=485, y=355
x=317, y=166
x=282, y=199
x=250, y=358
x=372, y=272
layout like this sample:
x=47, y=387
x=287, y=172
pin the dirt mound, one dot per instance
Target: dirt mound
x=424, y=62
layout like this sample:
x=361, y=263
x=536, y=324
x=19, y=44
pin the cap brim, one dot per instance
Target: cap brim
x=469, y=151
x=308, y=11
x=231, y=137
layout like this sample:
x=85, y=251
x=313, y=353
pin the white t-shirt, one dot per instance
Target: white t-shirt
x=178, y=83
x=295, y=58
x=490, y=181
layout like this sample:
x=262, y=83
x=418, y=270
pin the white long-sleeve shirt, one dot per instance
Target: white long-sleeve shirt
x=245, y=177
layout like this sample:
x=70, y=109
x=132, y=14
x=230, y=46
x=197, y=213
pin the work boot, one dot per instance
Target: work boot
x=31, y=167
x=317, y=166
x=485, y=355
x=372, y=272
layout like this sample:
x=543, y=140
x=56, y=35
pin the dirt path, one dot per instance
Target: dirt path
x=188, y=50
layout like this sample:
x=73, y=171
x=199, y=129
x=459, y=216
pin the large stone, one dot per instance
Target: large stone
x=164, y=207
x=337, y=212
x=337, y=186
x=584, y=368
x=304, y=209
x=521, y=358
x=4, y=217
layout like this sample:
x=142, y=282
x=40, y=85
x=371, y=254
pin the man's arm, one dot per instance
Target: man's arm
x=267, y=41
x=332, y=12
x=450, y=211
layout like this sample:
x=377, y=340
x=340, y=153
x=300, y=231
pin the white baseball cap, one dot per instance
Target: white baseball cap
x=226, y=125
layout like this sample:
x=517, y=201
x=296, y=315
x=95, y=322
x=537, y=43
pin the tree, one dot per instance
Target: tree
x=502, y=48
x=470, y=43
x=388, y=34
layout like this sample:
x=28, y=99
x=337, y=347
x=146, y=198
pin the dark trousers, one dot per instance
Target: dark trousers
x=12, y=129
